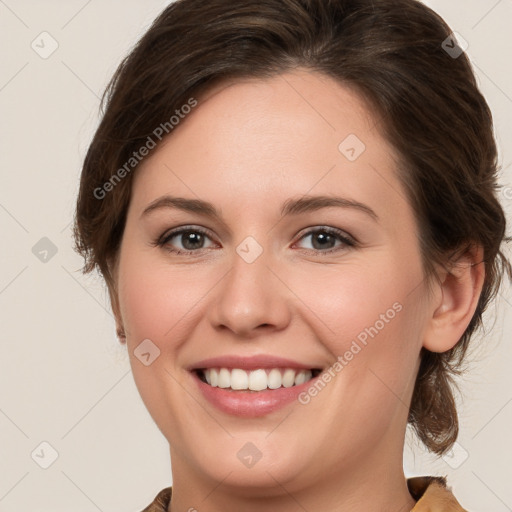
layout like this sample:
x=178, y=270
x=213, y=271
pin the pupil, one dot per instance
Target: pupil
x=324, y=239
x=191, y=238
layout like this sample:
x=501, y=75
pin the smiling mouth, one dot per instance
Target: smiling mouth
x=236, y=379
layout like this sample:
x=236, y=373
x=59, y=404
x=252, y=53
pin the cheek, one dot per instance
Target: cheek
x=161, y=304
x=360, y=299
x=374, y=336
x=370, y=319
x=156, y=299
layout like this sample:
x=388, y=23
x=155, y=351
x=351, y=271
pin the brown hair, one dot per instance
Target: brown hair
x=391, y=51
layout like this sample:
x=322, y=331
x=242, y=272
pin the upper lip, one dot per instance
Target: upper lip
x=250, y=363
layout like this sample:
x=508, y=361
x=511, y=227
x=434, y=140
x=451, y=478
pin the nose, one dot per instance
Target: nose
x=251, y=298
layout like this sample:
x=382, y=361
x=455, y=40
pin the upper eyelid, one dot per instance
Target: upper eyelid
x=329, y=229
x=171, y=233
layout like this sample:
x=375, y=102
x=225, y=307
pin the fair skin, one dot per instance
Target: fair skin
x=247, y=149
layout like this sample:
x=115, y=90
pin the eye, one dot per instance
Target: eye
x=324, y=239
x=192, y=239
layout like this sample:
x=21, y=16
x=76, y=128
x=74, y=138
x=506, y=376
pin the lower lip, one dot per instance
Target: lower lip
x=250, y=404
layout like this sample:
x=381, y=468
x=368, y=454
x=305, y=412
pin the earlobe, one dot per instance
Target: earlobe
x=121, y=334
x=120, y=331
x=455, y=302
x=114, y=299
x=114, y=302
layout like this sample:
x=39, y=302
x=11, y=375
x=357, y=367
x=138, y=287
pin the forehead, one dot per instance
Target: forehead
x=274, y=138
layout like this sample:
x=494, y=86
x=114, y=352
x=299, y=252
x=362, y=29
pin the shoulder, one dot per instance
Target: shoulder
x=161, y=501
x=433, y=495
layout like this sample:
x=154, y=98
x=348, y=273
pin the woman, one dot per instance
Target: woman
x=293, y=205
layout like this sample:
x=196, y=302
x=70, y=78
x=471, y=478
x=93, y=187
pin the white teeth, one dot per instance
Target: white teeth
x=300, y=378
x=214, y=379
x=239, y=379
x=255, y=380
x=224, y=378
x=274, y=379
x=288, y=378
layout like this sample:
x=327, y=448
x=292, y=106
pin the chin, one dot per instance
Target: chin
x=255, y=461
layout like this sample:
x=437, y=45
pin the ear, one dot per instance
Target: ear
x=114, y=301
x=455, y=302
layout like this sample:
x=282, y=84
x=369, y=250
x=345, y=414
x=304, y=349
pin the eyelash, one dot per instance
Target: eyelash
x=347, y=240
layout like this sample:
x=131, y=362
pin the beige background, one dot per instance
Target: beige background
x=64, y=379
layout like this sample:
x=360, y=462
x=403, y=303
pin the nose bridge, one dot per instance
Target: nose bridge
x=250, y=296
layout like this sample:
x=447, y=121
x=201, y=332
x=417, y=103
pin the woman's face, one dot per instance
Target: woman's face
x=279, y=274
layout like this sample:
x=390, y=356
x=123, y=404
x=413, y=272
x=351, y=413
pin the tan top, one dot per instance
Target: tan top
x=430, y=492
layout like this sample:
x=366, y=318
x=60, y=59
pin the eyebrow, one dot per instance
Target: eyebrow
x=290, y=207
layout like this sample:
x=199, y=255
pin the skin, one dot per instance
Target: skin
x=247, y=147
